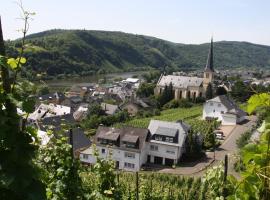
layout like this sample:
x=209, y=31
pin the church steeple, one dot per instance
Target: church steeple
x=208, y=75
x=210, y=60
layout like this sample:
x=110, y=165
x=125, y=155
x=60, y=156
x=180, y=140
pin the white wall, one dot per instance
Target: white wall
x=213, y=109
x=162, y=151
x=229, y=119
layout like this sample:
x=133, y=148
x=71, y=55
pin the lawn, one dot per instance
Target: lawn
x=185, y=114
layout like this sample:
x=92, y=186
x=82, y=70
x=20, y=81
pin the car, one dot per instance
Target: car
x=219, y=135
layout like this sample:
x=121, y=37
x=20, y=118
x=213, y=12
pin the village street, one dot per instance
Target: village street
x=228, y=147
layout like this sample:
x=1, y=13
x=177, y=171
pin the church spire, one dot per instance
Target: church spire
x=2, y=46
x=210, y=60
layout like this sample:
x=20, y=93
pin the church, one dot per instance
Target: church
x=188, y=87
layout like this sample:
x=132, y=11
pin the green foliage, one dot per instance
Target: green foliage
x=185, y=114
x=151, y=77
x=86, y=52
x=244, y=139
x=145, y=90
x=209, y=91
x=240, y=91
x=166, y=95
x=43, y=89
x=95, y=109
x=61, y=171
x=258, y=101
x=182, y=103
x=255, y=159
x=221, y=91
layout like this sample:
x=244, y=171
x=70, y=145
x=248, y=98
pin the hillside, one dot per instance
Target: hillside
x=88, y=52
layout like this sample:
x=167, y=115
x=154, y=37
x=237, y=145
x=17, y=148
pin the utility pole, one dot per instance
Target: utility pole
x=137, y=186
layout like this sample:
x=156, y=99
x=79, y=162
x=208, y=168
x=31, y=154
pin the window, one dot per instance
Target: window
x=103, y=151
x=129, y=165
x=167, y=139
x=158, y=138
x=85, y=156
x=211, y=104
x=170, y=152
x=129, y=155
x=171, y=139
x=154, y=148
x=130, y=145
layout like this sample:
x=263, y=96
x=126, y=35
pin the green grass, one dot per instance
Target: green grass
x=185, y=114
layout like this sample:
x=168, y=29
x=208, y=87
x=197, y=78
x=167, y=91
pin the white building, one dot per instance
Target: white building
x=223, y=109
x=163, y=143
x=127, y=146
x=167, y=142
x=50, y=110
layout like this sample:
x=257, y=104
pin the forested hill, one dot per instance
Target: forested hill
x=86, y=52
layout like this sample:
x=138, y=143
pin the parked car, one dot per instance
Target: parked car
x=219, y=135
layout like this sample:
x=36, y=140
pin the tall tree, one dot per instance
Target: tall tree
x=209, y=91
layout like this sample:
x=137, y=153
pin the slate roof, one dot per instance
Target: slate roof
x=181, y=126
x=109, y=108
x=231, y=106
x=180, y=81
x=125, y=133
x=80, y=140
x=55, y=122
x=166, y=131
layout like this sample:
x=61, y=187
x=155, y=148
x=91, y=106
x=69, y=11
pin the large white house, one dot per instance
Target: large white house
x=127, y=146
x=162, y=143
x=223, y=109
x=167, y=142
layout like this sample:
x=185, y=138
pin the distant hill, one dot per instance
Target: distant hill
x=88, y=52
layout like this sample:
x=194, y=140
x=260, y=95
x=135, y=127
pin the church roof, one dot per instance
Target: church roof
x=210, y=60
x=180, y=81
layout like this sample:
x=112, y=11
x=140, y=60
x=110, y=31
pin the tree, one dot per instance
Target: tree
x=221, y=91
x=166, y=95
x=145, y=90
x=240, y=91
x=209, y=92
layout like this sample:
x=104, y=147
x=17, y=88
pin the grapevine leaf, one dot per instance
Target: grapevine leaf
x=12, y=63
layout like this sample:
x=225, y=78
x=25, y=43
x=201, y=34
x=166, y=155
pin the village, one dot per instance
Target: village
x=126, y=120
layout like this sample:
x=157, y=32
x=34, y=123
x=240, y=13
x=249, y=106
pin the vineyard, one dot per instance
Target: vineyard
x=154, y=186
x=185, y=114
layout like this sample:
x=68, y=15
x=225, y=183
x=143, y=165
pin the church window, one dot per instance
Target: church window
x=207, y=75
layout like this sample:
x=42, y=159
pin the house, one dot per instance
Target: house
x=167, y=143
x=133, y=106
x=127, y=146
x=55, y=97
x=50, y=110
x=55, y=123
x=81, y=112
x=77, y=90
x=223, y=109
x=189, y=87
x=109, y=109
x=162, y=143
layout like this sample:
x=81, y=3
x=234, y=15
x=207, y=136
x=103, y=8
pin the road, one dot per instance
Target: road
x=228, y=147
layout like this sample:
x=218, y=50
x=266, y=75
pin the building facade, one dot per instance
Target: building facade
x=162, y=143
x=223, y=109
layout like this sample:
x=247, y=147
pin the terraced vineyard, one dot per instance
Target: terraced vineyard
x=185, y=114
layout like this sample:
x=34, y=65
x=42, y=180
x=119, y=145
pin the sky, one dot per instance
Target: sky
x=181, y=21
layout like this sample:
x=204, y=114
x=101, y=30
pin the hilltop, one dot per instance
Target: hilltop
x=88, y=52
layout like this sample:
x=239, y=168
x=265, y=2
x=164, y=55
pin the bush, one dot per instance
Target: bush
x=244, y=139
x=182, y=103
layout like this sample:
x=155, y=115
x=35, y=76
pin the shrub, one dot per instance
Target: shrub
x=244, y=139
